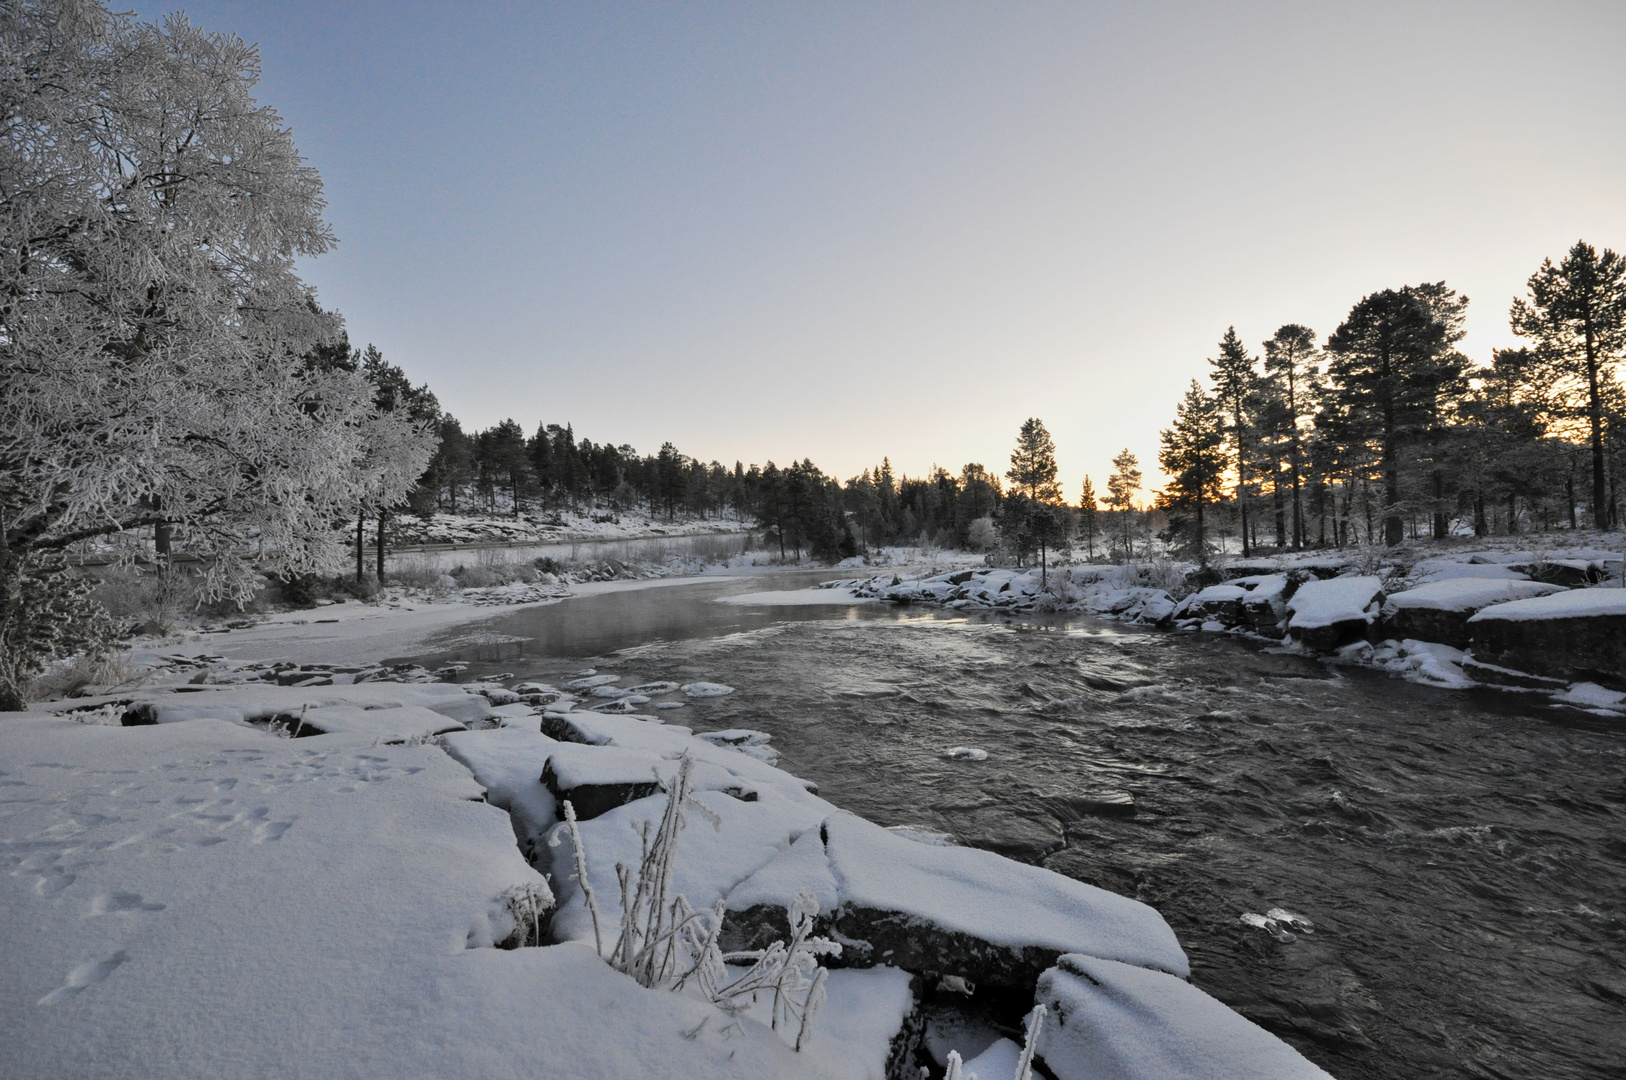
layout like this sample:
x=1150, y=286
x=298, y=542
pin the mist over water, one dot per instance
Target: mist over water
x=1461, y=855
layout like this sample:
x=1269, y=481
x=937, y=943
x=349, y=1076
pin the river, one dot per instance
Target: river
x=1461, y=855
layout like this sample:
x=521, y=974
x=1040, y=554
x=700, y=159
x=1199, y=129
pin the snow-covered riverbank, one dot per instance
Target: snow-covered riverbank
x=1551, y=621
x=202, y=895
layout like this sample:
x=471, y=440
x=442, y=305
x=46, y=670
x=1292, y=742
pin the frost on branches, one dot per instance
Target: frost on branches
x=663, y=942
x=153, y=332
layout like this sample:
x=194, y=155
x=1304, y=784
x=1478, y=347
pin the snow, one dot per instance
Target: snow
x=1468, y=593
x=387, y=711
x=1591, y=695
x=706, y=689
x=1447, y=570
x=850, y=861
x=1577, y=603
x=1111, y=1021
x=573, y=765
x=853, y=1032
x=508, y=763
x=1324, y=603
x=711, y=858
x=998, y=1062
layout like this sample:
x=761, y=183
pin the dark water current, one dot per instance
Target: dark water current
x=1462, y=855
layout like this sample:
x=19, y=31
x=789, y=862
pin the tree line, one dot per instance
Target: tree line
x=1385, y=431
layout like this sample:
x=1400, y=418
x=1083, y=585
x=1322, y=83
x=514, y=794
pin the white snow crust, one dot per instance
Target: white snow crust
x=1468, y=593
x=1324, y=603
x=961, y=889
x=1111, y=1021
x=1577, y=603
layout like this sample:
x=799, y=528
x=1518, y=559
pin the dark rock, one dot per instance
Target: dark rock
x=1492, y=675
x=869, y=937
x=139, y=715
x=1427, y=624
x=1571, y=573
x=591, y=800
x=1580, y=648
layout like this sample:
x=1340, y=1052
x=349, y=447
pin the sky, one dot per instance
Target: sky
x=845, y=231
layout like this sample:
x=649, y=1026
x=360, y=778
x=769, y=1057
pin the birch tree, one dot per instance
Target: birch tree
x=153, y=331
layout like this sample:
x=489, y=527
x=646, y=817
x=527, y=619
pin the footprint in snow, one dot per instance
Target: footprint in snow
x=113, y=903
x=85, y=976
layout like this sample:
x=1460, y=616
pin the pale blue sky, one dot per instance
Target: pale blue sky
x=847, y=230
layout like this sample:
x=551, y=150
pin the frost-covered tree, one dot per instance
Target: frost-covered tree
x=153, y=331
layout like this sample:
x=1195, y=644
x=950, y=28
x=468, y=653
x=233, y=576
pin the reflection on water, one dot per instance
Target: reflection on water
x=593, y=626
x=1462, y=856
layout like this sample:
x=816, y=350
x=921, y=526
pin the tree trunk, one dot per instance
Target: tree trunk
x=1600, y=497
x=1281, y=511
x=382, y=515
x=361, y=547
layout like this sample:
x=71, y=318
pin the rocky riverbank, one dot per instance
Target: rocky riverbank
x=271, y=858
x=1500, y=618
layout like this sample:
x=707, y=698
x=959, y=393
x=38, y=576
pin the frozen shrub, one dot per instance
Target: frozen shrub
x=663, y=942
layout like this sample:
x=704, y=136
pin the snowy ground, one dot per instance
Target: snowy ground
x=203, y=895
x=555, y=527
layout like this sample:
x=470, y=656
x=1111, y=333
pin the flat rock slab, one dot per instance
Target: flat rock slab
x=1440, y=610
x=1112, y=1021
x=1577, y=636
x=597, y=779
x=1327, y=614
x=945, y=910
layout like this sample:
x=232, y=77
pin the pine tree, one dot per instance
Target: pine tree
x=1037, y=519
x=1088, y=527
x=1233, y=375
x=1291, y=360
x=1193, y=454
x=1121, y=488
x=1393, y=363
x=1576, y=315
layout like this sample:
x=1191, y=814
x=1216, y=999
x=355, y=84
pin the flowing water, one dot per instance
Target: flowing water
x=1462, y=856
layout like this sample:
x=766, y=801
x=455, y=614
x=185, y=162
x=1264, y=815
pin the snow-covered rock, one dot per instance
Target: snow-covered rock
x=1325, y=614
x=949, y=910
x=1577, y=636
x=1112, y=1021
x=1439, y=610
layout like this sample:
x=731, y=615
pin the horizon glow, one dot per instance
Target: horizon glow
x=860, y=231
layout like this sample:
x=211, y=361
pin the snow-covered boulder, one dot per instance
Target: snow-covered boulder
x=1578, y=635
x=950, y=911
x=1439, y=610
x=1221, y=603
x=1326, y=614
x=1112, y=1021
x=597, y=779
x=390, y=712
x=1264, y=608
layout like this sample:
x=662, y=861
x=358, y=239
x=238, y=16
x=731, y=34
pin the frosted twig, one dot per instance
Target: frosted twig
x=1030, y=1044
x=580, y=854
